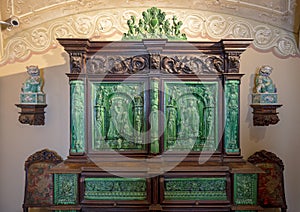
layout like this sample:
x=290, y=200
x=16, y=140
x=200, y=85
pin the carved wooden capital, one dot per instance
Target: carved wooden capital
x=76, y=61
x=233, y=62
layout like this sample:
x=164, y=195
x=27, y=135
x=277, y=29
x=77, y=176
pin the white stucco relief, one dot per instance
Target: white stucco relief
x=42, y=23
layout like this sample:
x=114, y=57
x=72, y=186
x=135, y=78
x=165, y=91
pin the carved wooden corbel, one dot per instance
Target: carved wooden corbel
x=32, y=114
x=76, y=61
x=264, y=115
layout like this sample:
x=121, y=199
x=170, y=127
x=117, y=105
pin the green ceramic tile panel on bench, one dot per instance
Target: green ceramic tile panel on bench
x=115, y=189
x=65, y=189
x=195, y=188
x=245, y=189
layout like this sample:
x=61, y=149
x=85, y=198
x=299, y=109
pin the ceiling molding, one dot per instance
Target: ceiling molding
x=39, y=35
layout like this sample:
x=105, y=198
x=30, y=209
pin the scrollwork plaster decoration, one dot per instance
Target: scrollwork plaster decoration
x=110, y=24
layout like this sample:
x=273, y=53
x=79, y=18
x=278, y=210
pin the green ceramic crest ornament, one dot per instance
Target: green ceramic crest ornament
x=154, y=25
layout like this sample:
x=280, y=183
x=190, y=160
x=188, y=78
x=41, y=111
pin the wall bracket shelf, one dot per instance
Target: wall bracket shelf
x=32, y=114
x=264, y=115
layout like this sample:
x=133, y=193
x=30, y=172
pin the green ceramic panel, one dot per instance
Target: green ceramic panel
x=195, y=188
x=77, y=116
x=191, y=118
x=245, y=189
x=115, y=189
x=154, y=117
x=65, y=189
x=118, y=116
x=232, y=116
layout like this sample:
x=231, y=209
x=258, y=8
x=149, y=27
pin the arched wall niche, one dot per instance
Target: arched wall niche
x=271, y=24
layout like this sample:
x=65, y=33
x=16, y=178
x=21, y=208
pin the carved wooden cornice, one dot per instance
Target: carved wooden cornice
x=131, y=57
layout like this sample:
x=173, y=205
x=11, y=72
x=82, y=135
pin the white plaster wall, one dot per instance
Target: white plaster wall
x=18, y=141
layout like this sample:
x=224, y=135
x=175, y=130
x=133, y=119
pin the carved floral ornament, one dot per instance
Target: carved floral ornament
x=110, y=24
x=174, y=65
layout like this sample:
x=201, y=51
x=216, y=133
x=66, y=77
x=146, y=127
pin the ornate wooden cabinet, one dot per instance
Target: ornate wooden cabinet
x=154, y=126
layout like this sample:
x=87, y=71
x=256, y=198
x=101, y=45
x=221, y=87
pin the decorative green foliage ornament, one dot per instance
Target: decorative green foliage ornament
x=154, y=25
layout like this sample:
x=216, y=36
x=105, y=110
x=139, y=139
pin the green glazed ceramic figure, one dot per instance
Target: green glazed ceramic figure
x=154, y=25
x=264, y=91
x=119, y=119
x=77, y=116
x=32, y=87
x=232, y=116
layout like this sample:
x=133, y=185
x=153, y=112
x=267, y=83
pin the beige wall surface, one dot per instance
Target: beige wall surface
x=283, y=138
x=18, y=141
